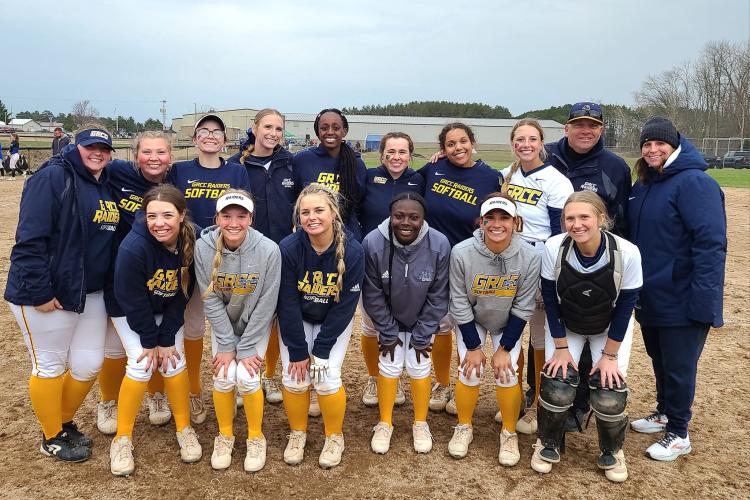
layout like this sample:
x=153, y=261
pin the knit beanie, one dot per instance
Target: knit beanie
x=658, y=128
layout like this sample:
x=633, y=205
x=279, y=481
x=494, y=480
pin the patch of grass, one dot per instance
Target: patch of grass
x=731, y=177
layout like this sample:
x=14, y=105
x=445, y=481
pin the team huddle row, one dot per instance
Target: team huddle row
x=117, y=265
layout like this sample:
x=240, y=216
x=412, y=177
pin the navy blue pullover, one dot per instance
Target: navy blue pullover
x=128, y=187
x=308, y=289
x=380, y=188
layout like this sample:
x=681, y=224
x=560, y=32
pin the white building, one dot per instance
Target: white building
x=25, y=125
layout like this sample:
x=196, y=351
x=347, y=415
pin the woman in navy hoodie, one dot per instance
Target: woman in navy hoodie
x=677, y=219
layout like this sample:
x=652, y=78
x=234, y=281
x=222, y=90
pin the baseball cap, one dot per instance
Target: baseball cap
x=209, y=117
x=498, y=203
x=91, y=136
x=238, y=199
x=586, y=111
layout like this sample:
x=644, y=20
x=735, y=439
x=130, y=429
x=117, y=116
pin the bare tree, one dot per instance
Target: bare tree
x=83, y=112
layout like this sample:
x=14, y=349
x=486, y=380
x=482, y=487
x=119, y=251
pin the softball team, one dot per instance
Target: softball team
x=238, y=271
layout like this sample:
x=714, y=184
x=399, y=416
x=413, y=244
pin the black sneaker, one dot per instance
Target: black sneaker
x=63, y=449
x=75, y=436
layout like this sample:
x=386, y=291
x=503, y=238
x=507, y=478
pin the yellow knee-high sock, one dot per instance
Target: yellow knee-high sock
x=296, y=405
x=387, y=388
x=332, y=409
x=272, y=351
x=509, y=402
x=110, y=377
x=519, y=372
x=73, y=393
x=420, y=397
x=538, y=364
x=177, y=389
x=466, y=401
x=370, y=352
x=128, y=405
x=442, y=349
x=156, y=384
x=225, y=406
x=193, y=357
x=46, y=400
x=253, y=404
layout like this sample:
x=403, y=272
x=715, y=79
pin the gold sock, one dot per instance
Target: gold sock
x=73, y=393
x=225, y=406
x=387, y=388
x=253, y=404
x=193, y=357
x=538, y=365
x=466, y=401
x=156, y=384
x=509, y=402
x=442, y=349
x=420, y=397
x=332, y=409
x=128, y=405
x=370, y=353
x=272, y=351
x=177, y=389
x=46, y=400
x=110, y=377
x=296, y=405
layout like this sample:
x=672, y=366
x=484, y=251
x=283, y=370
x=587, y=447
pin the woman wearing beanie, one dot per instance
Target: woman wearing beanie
x=677, y=220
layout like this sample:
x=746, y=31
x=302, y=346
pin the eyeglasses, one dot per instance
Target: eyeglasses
x=585, y=111
x=203, y=133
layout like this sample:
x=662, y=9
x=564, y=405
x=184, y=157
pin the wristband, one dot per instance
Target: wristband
x=563, y=347
x=609, y=355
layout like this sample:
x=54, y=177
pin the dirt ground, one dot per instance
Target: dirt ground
x=717, y=467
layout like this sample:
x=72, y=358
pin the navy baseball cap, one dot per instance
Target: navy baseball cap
x=586, y=111
x=91, y=136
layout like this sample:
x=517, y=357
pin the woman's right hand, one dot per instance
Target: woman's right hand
x=151, y=356
x=437, y=156
x=474, y=360
x=560, y=359
x=49, y=306
x=298, y=370
x=223, y=360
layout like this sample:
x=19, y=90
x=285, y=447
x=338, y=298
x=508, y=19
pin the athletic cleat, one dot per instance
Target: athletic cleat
x=381, y=438
x=190, y=448
x=669, y=447
x=295, y=447
x=332, y=450
x=106, y=417
x=509, y=454
x=272, y=391
x=221, y=458
x=198, y=410
x=400, y=396
x=439, y=397
x=370, y=394
x=527, y=424
x=255, y=459
x=463, y=435
x=499, y=418
x=121, y=462
x=656, y=422
x=422, y=437
x=314, y=410
x=538, y=463
x=618, y=472
x=75, y=436
x=63, y=449
x=158, y=408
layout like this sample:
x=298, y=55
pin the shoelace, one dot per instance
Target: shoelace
x=381, y=427
x=109, y=411
x=440, y=392
x=196, y=404
x=461, y=430
x=160, y=403
x=123, y=450
x=423, y=430
x=295, y=440
x=254, y=447
x=372, y=387
x=507, y=444
x=331, y=445
x=652, y=417
x=190, y=438
x=668, y=438
x=224, y=446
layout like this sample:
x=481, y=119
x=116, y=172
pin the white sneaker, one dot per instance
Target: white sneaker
x=190, y=448
x=221, y=458
x=121, y=461
x=537, y=462
x=255, y=459
x=619, y=472
x=463, y=435
x=239, y=401
x=450, y=406
x=370, y=394
x=272, y=391
x=106, y=417
x=197, y=409
x=656, y=422
x=422, y=437
x=527, y=424
x=314, y=410
x=499, y=418
x=669, y=447
x=158, y=408
x=332, y=450
x=295, y=447
x=439, y=397
x=381, y=438
x=509, y=454
x=400, y=396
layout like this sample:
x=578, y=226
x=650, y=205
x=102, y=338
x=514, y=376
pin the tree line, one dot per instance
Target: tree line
x=433, y=108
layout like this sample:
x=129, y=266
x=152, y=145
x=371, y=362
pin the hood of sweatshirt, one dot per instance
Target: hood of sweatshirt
x=686, y=157
x=383, y=228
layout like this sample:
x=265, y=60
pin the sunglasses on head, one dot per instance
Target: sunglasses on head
x=586, y=112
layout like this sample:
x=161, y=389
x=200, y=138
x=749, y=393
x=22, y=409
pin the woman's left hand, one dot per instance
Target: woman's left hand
x=167, y=354
x=223, y=360
x=609, y=373
x=502, y=365
x=253, y=364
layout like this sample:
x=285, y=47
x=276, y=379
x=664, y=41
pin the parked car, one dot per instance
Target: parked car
x=736, y=159
x=714, y=161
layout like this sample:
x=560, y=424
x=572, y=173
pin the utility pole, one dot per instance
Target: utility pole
x=163, y=114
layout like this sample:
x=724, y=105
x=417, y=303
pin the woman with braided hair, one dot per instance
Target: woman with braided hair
x=322, y=267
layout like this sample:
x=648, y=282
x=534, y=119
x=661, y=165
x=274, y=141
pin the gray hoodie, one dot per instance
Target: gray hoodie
x=242, y=304
x=419, y=291
x=487, y=288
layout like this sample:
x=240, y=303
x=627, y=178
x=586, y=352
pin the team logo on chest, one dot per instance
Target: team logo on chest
x=318, y=286
x=497, y=285
x=237, y=283
x=528, y=196
x=163, y=283
x=590, y=186
x=287, y=183
x=207, y=190
x=107, y=215
x=330, y=180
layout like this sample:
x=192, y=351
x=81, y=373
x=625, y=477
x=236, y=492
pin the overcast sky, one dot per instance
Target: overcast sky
x=304, y=56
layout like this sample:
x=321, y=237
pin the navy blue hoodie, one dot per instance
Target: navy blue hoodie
x=273, y=192
x=65, y=238
x=148, y=281
x=380, y=188
x=678, y=222
x=308, y=283
x=128, y=187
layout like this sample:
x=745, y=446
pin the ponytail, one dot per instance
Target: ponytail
x=215, y=265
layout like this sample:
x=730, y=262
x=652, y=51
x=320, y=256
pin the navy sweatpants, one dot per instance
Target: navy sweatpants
x=674, y=353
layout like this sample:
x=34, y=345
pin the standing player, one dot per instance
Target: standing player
x=13, y=155
x=322, y=267
x=60, y=265
x=202, y=181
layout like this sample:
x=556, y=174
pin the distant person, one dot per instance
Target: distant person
x=60, y=140
x=358, y=147
x=15, y=155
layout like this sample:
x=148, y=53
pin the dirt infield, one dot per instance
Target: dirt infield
x=718, y=466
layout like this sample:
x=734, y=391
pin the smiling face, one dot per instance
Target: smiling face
x=582, y=223
x=233, y=222
x=268, y=134
x=458, y=148
x=163, y=221
x=527, y=144
x=656, y=153
x=316, y=216
x=498, y=228
x=583, y=135
x=396, y=156
x=209, y=138
x=331, y=131
x=154, y=158
x=407, y=218
x=95, y=157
